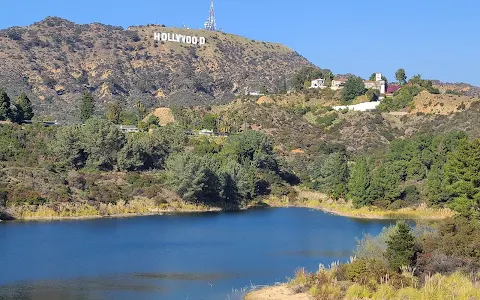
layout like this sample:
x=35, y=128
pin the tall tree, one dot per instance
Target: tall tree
x=87, y=106
x=102, y=140
x=141, y=110
x=304, y=76
x=359, y=183
x=143, y=151
x=331, y=174
x=401, y=76
x=114, y=112
x=462, y=176
x=193, y=177
x=400, y=247
x=69, y=148
x=24, y=105
x=354, y=87
x=5, y=110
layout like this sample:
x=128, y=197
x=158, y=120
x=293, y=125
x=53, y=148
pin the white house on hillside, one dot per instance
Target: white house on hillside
x=338, y=83
x=318, y=84
x=379, y=84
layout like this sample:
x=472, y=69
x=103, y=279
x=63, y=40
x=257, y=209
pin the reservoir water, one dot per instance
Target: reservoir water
x=192, y=256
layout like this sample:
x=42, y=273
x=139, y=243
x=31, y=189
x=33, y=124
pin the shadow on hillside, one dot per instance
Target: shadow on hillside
x=4, y=216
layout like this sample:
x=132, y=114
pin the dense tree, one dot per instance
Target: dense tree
x=416, y=79
x=401, y=76
x=305, y=75
x=400, y=247
x=462, y=177
x=68, y=148
x=128, y=118
x=141, y=110
x=193, y=177
x=5, y=110
x=87, y=107
x=359, y=183
x=101, y=140
x=114, y=113
x=209, y=122
x=330, y=174
x=24, y=108
x=142, y=151
x=354, y=87
x=229, y=189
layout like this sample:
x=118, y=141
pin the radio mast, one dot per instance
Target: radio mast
x=211, y=24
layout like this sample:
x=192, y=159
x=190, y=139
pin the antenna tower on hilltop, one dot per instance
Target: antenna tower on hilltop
x=211, y=24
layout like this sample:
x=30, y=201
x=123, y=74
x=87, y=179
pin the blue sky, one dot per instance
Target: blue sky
x=438, y=39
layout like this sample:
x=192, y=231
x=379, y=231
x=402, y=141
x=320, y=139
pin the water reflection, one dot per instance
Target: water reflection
x=319, y=253
x=96, y=287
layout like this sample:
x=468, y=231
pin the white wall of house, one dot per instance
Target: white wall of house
x=318, y=84
x=359, y=107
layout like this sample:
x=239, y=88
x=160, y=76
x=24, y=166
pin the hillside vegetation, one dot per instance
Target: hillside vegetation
x=54, y=61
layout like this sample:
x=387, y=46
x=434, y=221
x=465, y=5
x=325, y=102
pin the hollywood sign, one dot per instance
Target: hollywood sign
x=179, y=38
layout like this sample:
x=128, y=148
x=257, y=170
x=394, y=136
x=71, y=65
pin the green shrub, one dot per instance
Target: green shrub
x=401, y=99
x=327, y=119
x=372, y=272
x=357, y=291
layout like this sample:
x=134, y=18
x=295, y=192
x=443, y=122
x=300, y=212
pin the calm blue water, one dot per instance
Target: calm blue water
x=196, y=256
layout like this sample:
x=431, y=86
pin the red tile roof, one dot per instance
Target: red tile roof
x=392, y=88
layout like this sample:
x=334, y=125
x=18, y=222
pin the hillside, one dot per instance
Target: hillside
x=55, y=60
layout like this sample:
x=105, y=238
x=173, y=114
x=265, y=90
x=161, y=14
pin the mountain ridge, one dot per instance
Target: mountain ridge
x=56, y=60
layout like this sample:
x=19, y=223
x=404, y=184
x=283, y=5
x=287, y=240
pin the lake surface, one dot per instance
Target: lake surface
x=194, y=256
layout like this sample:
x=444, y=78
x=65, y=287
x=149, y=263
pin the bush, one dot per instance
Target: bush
x=327, y=119
x=357, y=291
x=410, y=195
x=14, y=34
x=401, y=99
x=25, y=196
x=372, y=273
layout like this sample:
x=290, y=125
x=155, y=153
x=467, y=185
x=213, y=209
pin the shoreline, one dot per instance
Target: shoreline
x=113, y=216
x=426, y=215
x=305, y=199
x=276, y=292
x=319, y=201
x=374, y=214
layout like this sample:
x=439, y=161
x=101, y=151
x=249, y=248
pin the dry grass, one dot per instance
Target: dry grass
x=313, y=199
x=438, y=287
x=135, y=207
x=164, y=114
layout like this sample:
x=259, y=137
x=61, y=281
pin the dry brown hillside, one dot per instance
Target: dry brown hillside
x=441, y=104
x=55, y=60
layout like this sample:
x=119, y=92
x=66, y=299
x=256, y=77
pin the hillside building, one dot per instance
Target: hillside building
x=128, y=128
x=338, y=83
x=379, y=84
x=318, y=84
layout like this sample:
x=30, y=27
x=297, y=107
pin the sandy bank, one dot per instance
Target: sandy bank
x=280, y=292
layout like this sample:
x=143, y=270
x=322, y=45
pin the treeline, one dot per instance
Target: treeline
x=228, y=172
x=440, y=170
x=16, y=111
